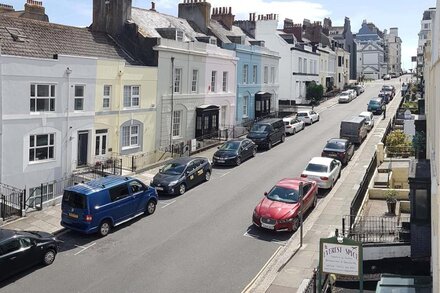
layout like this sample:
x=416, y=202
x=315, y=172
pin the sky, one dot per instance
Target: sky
x=403, y=14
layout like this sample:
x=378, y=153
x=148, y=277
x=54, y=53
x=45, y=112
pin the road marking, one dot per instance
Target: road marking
x=84, y=248
x=168, y=204
x=262, y=269
x=279, y=242
x=224, y=174
x=62, y=233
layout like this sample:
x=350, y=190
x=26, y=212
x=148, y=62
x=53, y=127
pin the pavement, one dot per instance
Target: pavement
x=288, y=269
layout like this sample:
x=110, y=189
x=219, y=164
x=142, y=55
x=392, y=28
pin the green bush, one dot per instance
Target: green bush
x=314, y=92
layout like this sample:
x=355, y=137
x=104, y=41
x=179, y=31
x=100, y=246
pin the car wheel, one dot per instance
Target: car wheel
x=182, y=188
x=104, y=228
x=294, y=131
x=238, y=161
x=304, y=126
x=49, y=257
x=151, y=207
x=315, y=201
x=207, y=175
x=283, y=137
x=254, y=152
x=269, y=145
x=295, y=224
x=317, y=120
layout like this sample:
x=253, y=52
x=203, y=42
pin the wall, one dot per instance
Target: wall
x=18, y=123
x=377, y=251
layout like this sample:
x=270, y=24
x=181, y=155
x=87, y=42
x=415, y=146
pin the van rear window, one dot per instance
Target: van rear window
x=74, y=199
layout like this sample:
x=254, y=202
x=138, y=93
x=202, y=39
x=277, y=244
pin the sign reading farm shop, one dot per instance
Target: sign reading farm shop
x=340, y=259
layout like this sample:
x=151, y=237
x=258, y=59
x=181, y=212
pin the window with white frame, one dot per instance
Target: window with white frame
x=300, y=65
x=245, y=105
x=79, y=98
x=131, y=96
x=272, y=75
x=177, y=80
x=266, y=74
x=305, y=65
x=130, y=136
x=254, y=74
x=194, y=81
x=106, y=96
x=311, y=66
x=245, y=73
x=213, y=81
x=225, y=81
x=41, y=147
x=46, y=193
x=223, y=115
x=179, y=35
x=42, y=98
x=177, y=122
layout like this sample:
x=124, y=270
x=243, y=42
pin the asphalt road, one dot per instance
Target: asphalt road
x=202, y=241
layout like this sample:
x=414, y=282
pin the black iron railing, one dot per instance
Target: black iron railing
x=11, y=202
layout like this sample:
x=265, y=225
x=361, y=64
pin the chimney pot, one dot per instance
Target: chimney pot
x=153, y=6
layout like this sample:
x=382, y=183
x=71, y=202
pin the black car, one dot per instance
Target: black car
x=20, y=250
x=181, y=174
x=338, y=148
x=267, y=132
x=235, y=151
x=386, y=96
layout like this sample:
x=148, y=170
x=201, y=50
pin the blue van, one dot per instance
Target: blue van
x=101, y=204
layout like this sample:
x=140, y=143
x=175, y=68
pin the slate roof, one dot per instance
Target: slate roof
x=42, y=39
x=222, y=33
x=148, y=21
x=366, y=34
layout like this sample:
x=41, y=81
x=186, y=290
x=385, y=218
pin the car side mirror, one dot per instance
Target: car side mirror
x=218, y=147
x=160, y=170
x=265, y=193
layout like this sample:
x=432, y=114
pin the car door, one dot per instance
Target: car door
x=350, y=150
x=137, y=192
x=30, y=253
x=191, y=174
x=314, y=116
x=122, y=206
x=334, y=170
x=10, y=251
x=307, y=196
x=244, y=149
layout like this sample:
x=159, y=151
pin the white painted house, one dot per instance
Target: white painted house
x=47, y=100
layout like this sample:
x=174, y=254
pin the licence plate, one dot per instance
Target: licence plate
x=332, y=155
x=159, y=188
x=72, y=215
x=221, y=161
x=267, y=226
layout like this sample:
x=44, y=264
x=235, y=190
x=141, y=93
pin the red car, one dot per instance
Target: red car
x=279, y=209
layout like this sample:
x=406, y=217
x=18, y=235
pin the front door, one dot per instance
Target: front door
x=83, y=140
x=101, y=142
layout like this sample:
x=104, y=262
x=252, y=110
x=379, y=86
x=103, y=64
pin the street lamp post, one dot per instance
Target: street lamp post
x=172, y=105
x=301, y=211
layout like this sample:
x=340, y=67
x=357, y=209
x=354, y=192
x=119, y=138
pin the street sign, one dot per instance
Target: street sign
x=340, y=256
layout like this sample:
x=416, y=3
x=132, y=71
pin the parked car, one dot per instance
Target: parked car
x=375, y=105
x=280, y=207
x=293, y=125
x=338, y=148
x=234, y=151
x=353, y=93
x=181, y=174
x=325, y=171
x=353, y=129
x=389, y=89
x=393, y=75
x=101, y=204
x=360, y=88
x=268, y=132
x=345, y=97
x=386, y=96
x=20, y=250
x=369, y=119
x=308, y=116
x=386, y=77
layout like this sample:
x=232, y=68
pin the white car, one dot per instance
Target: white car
x=308, y=116
x=293, y=125
x=345, y=97
x=369, y=119
x=353, y=93
x=325, y=171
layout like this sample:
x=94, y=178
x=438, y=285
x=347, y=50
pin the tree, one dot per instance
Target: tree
x=314, y=92
x=419, y=143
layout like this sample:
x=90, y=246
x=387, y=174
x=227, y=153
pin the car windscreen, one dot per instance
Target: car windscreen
x=344, y=94
x=74, y=199
x=316, y=168
x=283, y=194
x=260, y=128
x=173, y=169
x=374, y=102
x=230, y=146
x=367, y=118
x=335, y=145
x=302, y=114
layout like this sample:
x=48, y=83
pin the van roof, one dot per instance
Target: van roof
x=356, y=119
x=98, y=184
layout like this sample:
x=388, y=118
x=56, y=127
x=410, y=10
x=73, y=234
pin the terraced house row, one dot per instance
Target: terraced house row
x=137, y=80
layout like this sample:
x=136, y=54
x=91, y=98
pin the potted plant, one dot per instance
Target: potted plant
x=391, y=198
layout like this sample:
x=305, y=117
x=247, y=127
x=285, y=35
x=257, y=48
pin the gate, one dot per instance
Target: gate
x=11, y=202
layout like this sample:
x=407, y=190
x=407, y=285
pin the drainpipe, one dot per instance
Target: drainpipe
x=172, y=105
x=68, y=127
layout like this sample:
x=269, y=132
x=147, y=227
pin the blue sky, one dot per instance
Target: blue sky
x=404, y=14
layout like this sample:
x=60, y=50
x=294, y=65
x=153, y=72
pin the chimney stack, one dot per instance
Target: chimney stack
x=224, y=16
x=111, y=16
x=153, y=6
x=35, y=10
x=196, y=11
x=6, y=8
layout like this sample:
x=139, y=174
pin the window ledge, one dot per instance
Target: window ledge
x=41, y=161
x=130, y=147
x=131, y=108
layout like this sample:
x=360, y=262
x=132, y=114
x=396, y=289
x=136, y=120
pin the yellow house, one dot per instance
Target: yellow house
x=125, y=121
